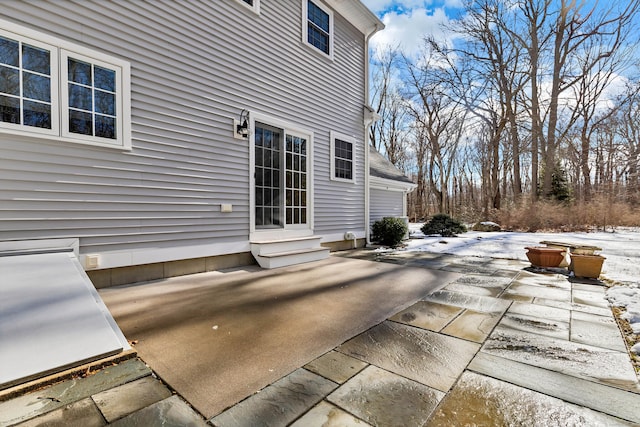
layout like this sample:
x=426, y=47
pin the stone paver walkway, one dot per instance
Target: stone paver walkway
x=501, y=345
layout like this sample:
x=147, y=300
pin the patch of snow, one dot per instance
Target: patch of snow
x=636, y=349
x=620, y=248
x=490, y=223
x=627, y=296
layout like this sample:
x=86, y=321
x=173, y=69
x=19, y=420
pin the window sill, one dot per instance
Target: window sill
x=123, y=146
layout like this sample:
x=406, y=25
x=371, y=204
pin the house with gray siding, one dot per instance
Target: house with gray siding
x=172, y=137
x=388, y=188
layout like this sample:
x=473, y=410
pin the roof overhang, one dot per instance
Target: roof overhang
x=357, y=14
x=390, y=184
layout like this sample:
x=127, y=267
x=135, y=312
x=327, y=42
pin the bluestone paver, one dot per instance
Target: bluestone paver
x=472, y=325
x=385, y=399
x=610, y=400
x=482, y=401
x=599, y=331
x=576, y=359
x=427, y=357
x=534, y=291
x=336, y=366
x=327, y=415
x=83, y=413
x=472, y=302
x=170, y=412
x=553, y=314
x=536, y=324
x=58, y=395
x=428, y=315
x=128, y=398
x=278, y=404
x=568, y=305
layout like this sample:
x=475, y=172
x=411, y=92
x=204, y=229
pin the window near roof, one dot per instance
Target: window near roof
x=318, y=27
x=342, y=158
x=251, y=4
x=45, y=85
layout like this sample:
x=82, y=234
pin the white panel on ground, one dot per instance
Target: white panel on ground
x=51, y=317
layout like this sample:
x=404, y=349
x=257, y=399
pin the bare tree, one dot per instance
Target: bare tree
x=387, y=133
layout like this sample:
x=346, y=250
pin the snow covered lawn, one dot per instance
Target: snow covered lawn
x=621, y=249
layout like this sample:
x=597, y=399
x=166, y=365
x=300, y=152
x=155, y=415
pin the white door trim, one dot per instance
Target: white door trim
x=292, y=129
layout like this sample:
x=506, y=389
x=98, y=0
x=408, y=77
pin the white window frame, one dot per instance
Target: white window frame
x=255, y=8
x=53, y=77
x=346, y=138
x=305, y=27
x=64, y=56
x=60, y=50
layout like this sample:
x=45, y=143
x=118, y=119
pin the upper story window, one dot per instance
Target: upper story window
x=251, y=4
x=318, y=27
x=342, y=158
x=65, y=91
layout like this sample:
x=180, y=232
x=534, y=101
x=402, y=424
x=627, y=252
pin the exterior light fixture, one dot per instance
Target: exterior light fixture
x=242, y=125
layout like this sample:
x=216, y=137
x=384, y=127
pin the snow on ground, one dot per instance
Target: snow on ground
x=621, y=248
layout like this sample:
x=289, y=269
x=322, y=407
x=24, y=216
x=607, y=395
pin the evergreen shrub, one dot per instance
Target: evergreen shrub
x=389, y=231
x=443, y=225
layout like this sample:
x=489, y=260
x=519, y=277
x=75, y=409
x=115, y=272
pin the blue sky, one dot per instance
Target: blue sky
x=408, y=21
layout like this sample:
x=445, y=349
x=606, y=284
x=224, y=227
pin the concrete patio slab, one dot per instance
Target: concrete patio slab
x=221, y=336
x=432, y=359
x=482, y=401
x=382, y=398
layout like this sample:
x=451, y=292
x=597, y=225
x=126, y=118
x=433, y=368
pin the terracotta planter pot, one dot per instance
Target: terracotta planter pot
x=545, y=257
x=588, y=266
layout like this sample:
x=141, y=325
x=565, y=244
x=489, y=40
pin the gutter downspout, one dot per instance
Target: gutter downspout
x=370, y=116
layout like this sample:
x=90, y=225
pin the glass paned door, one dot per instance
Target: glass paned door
x=281, y=179
x=296, y=180
x=268, y=142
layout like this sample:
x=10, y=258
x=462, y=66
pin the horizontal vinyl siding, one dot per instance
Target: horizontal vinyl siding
x=194, y=66
x=385, y=203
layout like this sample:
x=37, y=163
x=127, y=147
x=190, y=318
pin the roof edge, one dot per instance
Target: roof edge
x=357, y=14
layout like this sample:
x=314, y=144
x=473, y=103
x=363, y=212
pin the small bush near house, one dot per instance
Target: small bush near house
x=443, y=225
x=389, y=231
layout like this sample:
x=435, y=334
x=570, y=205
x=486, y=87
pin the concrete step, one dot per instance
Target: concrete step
x=286, y=258
x=266, y=247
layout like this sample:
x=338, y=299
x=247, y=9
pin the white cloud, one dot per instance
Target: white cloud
x=408, y=30
x=381, y=6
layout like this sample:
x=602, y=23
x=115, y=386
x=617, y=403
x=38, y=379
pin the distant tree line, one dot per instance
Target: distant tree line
x=534, y=100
